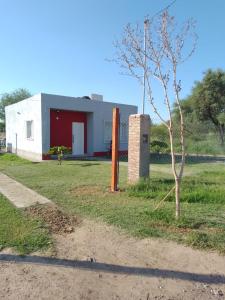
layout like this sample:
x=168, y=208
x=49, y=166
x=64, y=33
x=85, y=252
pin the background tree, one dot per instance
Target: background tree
x=10, y=98
x=159, y=139
x=200, y=135
x=159, y=132
x=164, y=51
x=208, y=100
x=2, y=126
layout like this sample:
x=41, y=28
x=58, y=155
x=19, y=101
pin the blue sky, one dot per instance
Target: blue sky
x=61, y=47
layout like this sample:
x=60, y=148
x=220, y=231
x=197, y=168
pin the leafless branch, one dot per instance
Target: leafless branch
x=166, y=49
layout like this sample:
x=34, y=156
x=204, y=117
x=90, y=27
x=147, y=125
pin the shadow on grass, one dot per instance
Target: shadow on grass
x=89, y=164
x=85, y=164
x=164, y=158
x=109, y=268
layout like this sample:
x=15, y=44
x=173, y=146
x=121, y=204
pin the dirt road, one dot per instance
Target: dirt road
x=99, y=262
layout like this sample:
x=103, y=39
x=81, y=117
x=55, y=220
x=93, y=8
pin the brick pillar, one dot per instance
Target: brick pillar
x=138, y=147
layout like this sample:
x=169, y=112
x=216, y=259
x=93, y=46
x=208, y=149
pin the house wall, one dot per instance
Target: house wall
x=37, y=109
x=90, y=132
x=16, y=116
x=97, y=113
x=61, y=127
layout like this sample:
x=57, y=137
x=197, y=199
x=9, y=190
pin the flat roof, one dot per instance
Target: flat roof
x=89, y=100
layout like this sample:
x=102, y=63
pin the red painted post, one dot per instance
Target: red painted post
x=115, y=144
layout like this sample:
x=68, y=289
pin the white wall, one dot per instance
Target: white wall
x=98, y=113
x=16, y=116
x=37, y=109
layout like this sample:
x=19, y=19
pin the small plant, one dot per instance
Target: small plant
x=65, y=150
x=59, y=155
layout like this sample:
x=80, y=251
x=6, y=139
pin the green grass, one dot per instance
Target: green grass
x=20, y=232
x=9, y=159
x=82, y=188
x=204, y=188
x=207, y=144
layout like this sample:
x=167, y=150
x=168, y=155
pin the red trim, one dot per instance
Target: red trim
x=46, y=157
x=61, y=127
x=104, y=153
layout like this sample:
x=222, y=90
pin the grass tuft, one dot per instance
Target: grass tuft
x=20, y=232
x=193, y=190
x=12, y=157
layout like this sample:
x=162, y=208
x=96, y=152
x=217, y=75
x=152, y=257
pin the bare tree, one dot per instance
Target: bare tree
x=165, y=49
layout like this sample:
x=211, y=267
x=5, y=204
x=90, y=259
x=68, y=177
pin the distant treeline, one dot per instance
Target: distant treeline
x=204, y=114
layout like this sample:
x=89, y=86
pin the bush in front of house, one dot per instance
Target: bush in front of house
x=56, y=149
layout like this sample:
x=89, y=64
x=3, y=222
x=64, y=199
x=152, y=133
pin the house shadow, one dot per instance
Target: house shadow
x=118, y=269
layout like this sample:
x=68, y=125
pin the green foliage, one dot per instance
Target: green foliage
x=11, y=98
x=208, y=145
x=159, y=139
x=206, y=104
x=159, y=132
x=2, y=126
x=57, y=149
x=204, y=115
x=208, y=96
x=159, y=147
x=20, y=232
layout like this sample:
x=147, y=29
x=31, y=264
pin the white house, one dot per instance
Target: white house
x=84, y=124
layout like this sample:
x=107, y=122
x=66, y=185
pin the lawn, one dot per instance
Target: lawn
x=20, y=232
x=82, y=187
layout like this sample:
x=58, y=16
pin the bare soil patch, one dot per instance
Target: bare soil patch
x=87, y=190
x=117, y=267
x=93, y=190
x=56, y=220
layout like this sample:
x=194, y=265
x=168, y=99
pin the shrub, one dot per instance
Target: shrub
x=159, y=147
x=56, y=149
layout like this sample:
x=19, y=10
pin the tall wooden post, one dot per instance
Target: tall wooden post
x=115, y=145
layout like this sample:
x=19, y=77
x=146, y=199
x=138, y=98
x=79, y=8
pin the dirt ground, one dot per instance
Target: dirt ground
x=55, y=219
x=97, y=261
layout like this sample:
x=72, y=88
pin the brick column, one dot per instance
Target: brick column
x=138, y=147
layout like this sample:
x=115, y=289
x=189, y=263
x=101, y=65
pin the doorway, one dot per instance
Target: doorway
x=78, y=138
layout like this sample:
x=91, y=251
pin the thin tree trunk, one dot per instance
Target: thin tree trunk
x=176, y=178
x=177, y=196
x=221, y=132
